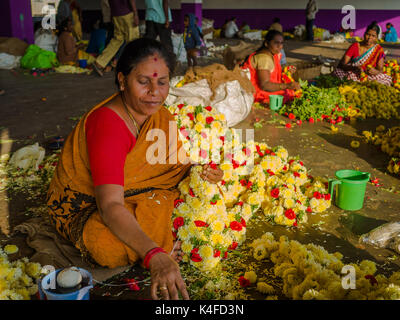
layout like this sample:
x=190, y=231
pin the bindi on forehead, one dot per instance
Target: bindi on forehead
x=155, y=74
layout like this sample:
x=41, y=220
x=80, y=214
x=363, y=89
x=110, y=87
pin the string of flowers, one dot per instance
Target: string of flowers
x=310, y=272
x=211, y=219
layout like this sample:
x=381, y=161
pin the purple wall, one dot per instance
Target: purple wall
x=16, y=19
x=327, y=19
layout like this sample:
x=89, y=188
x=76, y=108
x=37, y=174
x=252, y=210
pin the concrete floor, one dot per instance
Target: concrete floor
x=25, y=118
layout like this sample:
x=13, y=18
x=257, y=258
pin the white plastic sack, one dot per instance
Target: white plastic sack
x=299, y=30
x=179, y=47
x=207, y=24
x=255, y=35
x=27, y=157
x=230, y=98
x=8, y=61
x=46, y=40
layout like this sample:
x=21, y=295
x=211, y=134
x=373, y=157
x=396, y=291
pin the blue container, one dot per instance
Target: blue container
x=49, y=282
x=82, y=63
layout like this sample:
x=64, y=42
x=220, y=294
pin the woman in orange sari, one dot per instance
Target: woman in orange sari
x=266, y=71
x=364, y=57
x=108, y=195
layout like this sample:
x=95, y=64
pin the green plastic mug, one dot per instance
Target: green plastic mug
x=275, y=101
x=350, y=190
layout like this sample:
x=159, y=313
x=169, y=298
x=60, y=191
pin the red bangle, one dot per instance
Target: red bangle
x=150, y=255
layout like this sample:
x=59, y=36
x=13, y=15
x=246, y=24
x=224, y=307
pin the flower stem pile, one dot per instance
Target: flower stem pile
x=210, y=219
x=375, y=100
x=309, y=272
x=319, y=104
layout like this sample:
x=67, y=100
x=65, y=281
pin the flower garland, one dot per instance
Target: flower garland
x=211, y=219
x=310, y=272
x=17, y=278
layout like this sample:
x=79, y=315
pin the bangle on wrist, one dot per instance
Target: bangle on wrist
x=150, y=254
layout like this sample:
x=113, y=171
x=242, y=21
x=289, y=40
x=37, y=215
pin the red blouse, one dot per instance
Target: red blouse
x=108, y=142
x=353, y=51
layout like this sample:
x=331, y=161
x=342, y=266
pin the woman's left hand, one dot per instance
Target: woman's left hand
x=212, y=175
x=373, y=71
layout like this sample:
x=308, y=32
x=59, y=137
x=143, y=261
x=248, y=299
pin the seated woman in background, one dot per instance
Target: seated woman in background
x=391, y=33
x=68, y=52
x=191, y=39
x=266, y=71
x=364, y=57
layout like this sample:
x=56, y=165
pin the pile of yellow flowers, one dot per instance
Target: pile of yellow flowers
x=210, y=219
x=389, y=140
x=310, y=272
x=17, y=278
x=394, y=166
x=392, y=68
x=373, y=99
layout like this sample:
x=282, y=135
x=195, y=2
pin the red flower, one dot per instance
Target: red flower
x=240, y=203
x=184, y=132
x=309, y=209
x=270, y=172
x=222, y=138
x=191, y=192
x=233, y=246
x=195, y=257
x=200, y=223
x=236, y=226
x=191, y=116
x=132, y=284
x=317, y=195
x=177, y=202
x=260, y=154
x=244, y=282
x=243, y=222
x=301, y=163
x=291, y=161
x=284, y=168
x=249, y=185
x=213, y=203
x=296, y=174
x=225, y=255
x=292, y=116
x=178, y=222
x=339, y=119
x=174, y=235
x=223, y=182
x=332, y=121
x=327, y=197
x=180, y=106
x=208, y=108
x=295, y=224
x=209, y=120
x=371, y=279
x=235, y=164
x=213, y=165
x=217, y=253
x=203, y=153
x=247, y=151
x=289, y=213
x=288, y=125
x=275, y=193
x=299, y=122
x=243, y=182
x=311, y=120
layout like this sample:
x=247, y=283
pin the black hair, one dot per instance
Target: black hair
x=373, y=26
x=140, y=49
x=276, y=20
x=268, y=38
x=63, y=25
x=389, y=24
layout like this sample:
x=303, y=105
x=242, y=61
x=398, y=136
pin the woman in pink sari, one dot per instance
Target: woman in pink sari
x=364, y=57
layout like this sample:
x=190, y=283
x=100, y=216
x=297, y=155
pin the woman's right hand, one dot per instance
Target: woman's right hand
x=166, y=277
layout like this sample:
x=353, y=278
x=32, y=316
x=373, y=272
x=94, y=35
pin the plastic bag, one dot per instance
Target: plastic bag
x=230, y=98
x=385, y=236
x=8, y=61
x=256, y=35
x=179, y=47
x=46, y=40
x=35, y=57
x=28, y=157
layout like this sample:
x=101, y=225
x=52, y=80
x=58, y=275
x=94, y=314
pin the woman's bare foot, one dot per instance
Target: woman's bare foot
x=178, y=254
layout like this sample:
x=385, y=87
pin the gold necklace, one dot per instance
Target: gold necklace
x=130, y=115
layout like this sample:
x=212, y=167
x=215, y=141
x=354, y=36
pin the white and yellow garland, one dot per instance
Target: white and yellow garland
x=210, y=219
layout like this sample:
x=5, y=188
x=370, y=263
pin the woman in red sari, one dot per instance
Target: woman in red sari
x=364, y=60
x=266, y=71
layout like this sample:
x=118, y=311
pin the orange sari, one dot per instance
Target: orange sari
x=276, y=77
x=149, y=193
